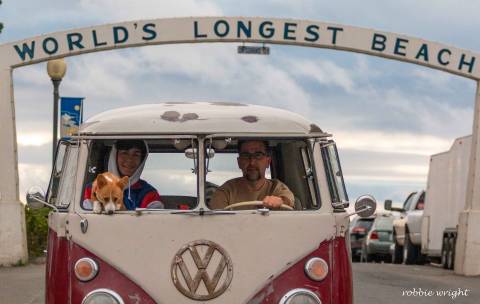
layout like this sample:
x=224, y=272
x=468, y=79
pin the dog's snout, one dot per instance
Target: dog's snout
x=110, y=212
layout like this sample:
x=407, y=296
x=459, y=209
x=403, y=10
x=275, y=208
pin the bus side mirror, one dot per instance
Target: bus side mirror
x=365, y=206
x=35, y=198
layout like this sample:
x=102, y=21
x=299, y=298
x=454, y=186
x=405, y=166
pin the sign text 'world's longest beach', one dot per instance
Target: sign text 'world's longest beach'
x=242, y=29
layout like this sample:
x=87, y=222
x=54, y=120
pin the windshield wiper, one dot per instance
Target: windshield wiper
x=202, y=211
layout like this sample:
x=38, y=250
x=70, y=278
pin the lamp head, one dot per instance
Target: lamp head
x=56, y=69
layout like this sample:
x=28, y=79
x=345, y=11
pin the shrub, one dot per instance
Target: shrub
x=37, y=230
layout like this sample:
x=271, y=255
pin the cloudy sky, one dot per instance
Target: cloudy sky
x=386, y=116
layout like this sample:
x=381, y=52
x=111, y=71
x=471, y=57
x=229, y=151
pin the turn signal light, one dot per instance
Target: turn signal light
x=316, y=269
x=85, y=269
x=374, y=235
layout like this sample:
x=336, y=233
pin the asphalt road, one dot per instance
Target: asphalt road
x=373, y=283
x=22, y=285
x=396, y=284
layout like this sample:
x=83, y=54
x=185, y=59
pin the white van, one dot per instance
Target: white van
x=178, y=249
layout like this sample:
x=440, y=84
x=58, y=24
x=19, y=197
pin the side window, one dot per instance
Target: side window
x=408, y=202
x=334, y=172
x=309, y=175
x=293, y=167
x=66, y=191
x=62, y=181
x=421, y=202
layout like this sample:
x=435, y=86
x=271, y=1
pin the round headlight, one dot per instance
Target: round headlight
x=300, y=296
x=85, y=269
x=103, y=296
x=316, y=269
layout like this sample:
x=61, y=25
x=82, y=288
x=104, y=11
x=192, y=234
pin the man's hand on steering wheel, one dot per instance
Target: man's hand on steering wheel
x=272, y=202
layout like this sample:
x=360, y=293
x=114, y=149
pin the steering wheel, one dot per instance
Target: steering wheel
x=252, y=204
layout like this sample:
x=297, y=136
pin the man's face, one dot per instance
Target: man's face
x=253, y=160
x=128, y=161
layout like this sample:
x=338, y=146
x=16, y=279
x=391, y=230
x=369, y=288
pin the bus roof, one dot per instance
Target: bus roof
x=199, y=118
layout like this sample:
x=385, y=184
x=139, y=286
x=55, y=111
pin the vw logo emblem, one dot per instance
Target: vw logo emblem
x=200, y=262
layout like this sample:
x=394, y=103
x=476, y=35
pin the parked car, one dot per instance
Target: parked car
x=359, y=227
x=376, y=245
x=407, y=229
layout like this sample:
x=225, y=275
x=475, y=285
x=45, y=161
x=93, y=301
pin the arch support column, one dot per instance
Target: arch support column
x=468, y=238
x=13, y=241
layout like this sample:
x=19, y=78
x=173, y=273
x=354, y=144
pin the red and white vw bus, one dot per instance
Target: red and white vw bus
x=181, y=251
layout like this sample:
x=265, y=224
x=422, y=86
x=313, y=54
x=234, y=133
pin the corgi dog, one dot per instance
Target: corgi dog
x=107, y=193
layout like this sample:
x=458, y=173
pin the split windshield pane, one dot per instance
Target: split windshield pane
x=161, y=176
x=249, y=169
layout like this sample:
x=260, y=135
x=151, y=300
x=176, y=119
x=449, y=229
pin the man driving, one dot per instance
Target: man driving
x=253, y=160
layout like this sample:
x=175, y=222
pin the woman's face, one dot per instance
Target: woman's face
x=128, y=161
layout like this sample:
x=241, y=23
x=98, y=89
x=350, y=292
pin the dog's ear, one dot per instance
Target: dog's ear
x=101, y=181
x=123, y=182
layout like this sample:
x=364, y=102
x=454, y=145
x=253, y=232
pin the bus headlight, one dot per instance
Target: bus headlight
x=300, y=296
x=103, y=296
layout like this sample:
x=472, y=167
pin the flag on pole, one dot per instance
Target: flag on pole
x=71, y=115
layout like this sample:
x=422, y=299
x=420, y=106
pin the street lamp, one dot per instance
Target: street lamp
x=56, y=70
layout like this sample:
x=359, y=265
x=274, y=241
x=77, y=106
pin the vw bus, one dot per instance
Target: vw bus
x=182, y=250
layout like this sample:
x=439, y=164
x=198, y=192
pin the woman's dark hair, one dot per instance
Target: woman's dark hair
x=127, y=144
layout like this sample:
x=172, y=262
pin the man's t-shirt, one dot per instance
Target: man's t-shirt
x=237, y=190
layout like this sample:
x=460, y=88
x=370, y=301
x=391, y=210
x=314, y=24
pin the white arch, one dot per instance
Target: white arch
x=241, y=29
x=223, y=29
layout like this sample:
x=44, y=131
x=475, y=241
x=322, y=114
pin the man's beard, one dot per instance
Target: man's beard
x=252, y=175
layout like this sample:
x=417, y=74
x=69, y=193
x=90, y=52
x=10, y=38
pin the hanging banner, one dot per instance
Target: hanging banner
x=71, y=115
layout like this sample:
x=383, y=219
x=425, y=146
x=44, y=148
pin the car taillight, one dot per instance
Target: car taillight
x=374, y=235
x=358, y=230
x=85, y=269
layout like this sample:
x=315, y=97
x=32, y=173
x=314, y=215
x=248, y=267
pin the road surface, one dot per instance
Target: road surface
x=395, y=284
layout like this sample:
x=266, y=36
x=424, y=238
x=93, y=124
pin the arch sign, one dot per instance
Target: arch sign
x=222, y=29
x=225, y=29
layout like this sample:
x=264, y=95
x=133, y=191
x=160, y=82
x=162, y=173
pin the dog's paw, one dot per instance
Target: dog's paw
x=97, y=207
x=120, y=207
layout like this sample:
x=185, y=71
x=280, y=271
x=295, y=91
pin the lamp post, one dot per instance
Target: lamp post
x=56, y=70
